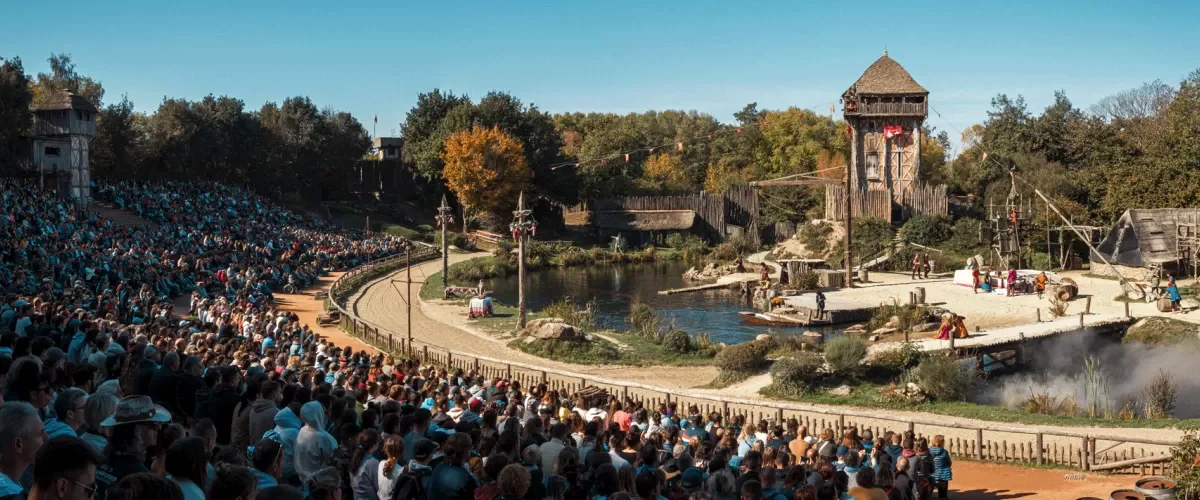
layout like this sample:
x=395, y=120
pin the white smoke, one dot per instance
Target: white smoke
x=1057, y=369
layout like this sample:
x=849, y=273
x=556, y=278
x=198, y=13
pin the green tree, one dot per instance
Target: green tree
x=15, y=115
x=113, y=151
x=424, y=134
x=62, y=76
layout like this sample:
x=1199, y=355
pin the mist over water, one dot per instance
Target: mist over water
x=1057, y=368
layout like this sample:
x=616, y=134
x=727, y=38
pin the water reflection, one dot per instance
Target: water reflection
x=615, y=287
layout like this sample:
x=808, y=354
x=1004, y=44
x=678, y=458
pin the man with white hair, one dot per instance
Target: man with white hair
x=69, y=408
x=21, y=436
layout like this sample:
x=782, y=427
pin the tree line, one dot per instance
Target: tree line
x=1136, y=148
x=289, y=149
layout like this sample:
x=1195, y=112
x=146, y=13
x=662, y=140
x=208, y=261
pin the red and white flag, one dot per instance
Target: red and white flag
x=891, y=131
x=376, y=118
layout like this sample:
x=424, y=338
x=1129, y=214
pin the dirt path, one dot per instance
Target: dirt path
x=985, y=481
x=307, y=306
x=445, y=324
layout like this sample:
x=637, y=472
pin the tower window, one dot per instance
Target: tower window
x=873, y=166
x=51, y=151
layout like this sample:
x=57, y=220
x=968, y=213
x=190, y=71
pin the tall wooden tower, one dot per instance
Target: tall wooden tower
x=885, y=109
x=63, y=127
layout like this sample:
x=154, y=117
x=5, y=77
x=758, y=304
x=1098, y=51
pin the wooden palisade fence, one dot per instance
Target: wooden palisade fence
x=986, y=442
x=738, y=206
x=923, y=199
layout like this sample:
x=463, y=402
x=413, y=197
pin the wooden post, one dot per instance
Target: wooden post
x=1126, y=309
x=849, y=226
x=409, y=299
x=508, y=373
x=1087, y=307
x=1085, y=460
x=1091, y=451
x=545, y=378
x=979, y=444
x=1081, y=320
x=425, y=355
x=1038, y=453
x=1039, y=313
x=444, y=220
x=521, y=260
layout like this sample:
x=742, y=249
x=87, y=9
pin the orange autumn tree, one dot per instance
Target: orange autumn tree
x=485, y=168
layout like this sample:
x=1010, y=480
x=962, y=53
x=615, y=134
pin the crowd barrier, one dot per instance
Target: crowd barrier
x=997, y=442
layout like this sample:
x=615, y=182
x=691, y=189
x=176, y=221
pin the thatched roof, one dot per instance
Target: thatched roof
x=1145, y=236
x=886, y=76
x=63, y=100
x=645, y=220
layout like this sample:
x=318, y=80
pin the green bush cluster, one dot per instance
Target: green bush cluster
x=690, y=246
x=583, y=318
x=643, y=320
x=815, y=236
x=944, y=378
x=678, y=341
x=455, y=239
x=744, y=357
x=797, y=371
x=897, y=361
x=845, y=354
x=928, y=230
x=729, y=250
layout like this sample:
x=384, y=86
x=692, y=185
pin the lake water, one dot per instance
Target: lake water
x=615, y=287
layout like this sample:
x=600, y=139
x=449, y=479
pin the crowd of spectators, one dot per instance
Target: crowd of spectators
x=109, y=392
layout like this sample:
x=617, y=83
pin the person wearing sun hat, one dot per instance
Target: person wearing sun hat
x=134, y=428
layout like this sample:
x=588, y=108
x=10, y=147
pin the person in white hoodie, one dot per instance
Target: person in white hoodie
x=314, y=446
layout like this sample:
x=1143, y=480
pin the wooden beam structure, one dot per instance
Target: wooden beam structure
x=808, y=181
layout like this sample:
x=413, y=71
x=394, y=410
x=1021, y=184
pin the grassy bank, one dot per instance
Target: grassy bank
x=634, y=350
x=1158, y=330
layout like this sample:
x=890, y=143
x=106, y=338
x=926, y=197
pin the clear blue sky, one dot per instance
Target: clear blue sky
x=374, y=57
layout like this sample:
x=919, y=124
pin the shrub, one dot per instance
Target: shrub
x=898, y=360
x=723, y=253
x=691, y=246
x=1160, y=396
x=678, y=341
x=965, y=234
x=805, y=281
x=800, y=368
x=845, y=353
x=744, y=357
x=1185, y=470
x=582, y=318
x=643, y=320
x=944, y=378
x=928, y=230
x=815, y=236
x=871, y=235
x=456, y=239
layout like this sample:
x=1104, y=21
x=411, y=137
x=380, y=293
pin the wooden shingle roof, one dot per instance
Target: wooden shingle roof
x=63, y=100
x=886, y=76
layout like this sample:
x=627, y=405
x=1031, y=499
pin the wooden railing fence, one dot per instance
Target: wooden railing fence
x=997, y=442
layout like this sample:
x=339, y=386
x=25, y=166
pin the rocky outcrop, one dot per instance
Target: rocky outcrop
x=552, y=328
x=709, y=272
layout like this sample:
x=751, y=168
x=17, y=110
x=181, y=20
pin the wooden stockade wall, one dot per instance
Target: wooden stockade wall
x=924, y=199
x=738, y=206
x=991, y=442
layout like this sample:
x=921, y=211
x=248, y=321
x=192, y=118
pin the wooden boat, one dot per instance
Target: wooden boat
x=772, y=319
